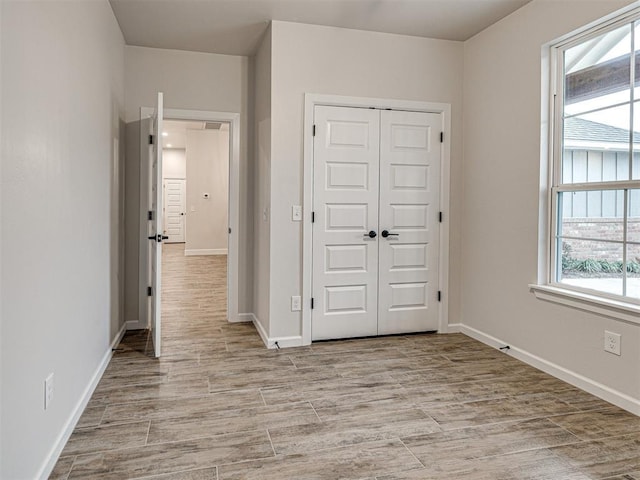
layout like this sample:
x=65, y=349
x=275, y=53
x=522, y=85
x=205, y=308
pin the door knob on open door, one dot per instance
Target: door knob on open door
x=158, y=238
x=386, y=233
x=371, y=234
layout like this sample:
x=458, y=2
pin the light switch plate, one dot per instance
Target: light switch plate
x=296, y=213
x=296, y=304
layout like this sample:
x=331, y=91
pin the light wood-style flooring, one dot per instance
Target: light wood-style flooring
x=219, y=406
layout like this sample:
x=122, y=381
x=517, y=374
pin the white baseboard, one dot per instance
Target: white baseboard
x=70, y=425
x=242, y=318
x=453, y=328
x=118, y=338
x=285, y=342
x=270, y=342
x=261, y=331
x=205, y=251
x=135, y=325
x=611, y=395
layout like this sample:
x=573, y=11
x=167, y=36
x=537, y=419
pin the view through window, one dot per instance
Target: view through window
x=596, y=169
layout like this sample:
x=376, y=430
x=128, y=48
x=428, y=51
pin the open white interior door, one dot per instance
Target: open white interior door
x=155, y=228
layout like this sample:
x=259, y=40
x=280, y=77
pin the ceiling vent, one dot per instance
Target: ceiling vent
x=212, y=125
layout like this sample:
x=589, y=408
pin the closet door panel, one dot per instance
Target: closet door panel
x=345, y=257
x=410, y=156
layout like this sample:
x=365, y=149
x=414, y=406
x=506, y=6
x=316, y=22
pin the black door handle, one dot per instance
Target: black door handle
x=385, y=234
x=371, y=234
x=158, y=238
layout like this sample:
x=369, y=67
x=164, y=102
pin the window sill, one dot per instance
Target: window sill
x=626, y=312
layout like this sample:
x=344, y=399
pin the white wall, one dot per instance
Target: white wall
x=174, y=163
x=262, y=180
x=63, y=101
x=1, y=263
x=316, y=59
x=207, y=172
x=193, y=81
x=502, y=123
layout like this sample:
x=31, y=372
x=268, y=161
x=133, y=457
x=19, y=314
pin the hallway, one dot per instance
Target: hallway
x=218, y=405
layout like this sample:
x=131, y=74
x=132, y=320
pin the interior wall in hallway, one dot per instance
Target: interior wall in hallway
x=174, y=163
x=351, y=63
x=207, y=156
x=62, y=113
x=191, y=81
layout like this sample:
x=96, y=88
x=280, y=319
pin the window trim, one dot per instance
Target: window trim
x=627, y=312
x=615, y=306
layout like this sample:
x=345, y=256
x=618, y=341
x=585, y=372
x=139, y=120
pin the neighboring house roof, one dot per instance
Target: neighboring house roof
x=588, y=131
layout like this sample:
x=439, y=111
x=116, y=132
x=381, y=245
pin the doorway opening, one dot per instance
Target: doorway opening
x=197, y=208
x=195, y=185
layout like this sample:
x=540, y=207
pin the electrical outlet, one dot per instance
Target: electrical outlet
x=296, y=303
x=48, y=390
x=612, y=342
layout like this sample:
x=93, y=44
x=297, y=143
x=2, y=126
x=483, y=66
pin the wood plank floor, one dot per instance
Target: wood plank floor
x=219, y=406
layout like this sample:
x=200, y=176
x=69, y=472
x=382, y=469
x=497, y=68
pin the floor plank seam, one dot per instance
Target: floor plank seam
x=316, y=412
x=66, y=476
x=262, y=396
x=146, y=440
x=204, y=436
x=271, y=442
x=412, y=454
x=533, y=449
x=489, y=424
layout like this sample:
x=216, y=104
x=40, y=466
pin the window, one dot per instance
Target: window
x=595, y=168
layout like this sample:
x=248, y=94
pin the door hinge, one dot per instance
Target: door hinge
x=439, y=295
x=150, y=215
x=151, y=138
x=229, y=230
x=441, y=137
x=440, y=217
x=313, y=133
x=313, y=217
x=149, y=291
x=311, y=303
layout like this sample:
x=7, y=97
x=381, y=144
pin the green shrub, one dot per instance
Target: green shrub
x=591, y=265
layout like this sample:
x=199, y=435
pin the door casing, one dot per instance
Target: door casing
x=311, y=100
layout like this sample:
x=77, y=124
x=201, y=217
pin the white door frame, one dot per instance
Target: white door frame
x=310, y=101
x=234, y=202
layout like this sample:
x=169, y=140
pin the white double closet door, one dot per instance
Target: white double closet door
x=376, y=222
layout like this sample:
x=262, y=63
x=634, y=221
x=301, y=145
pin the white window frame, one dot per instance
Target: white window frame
x=547, y=288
